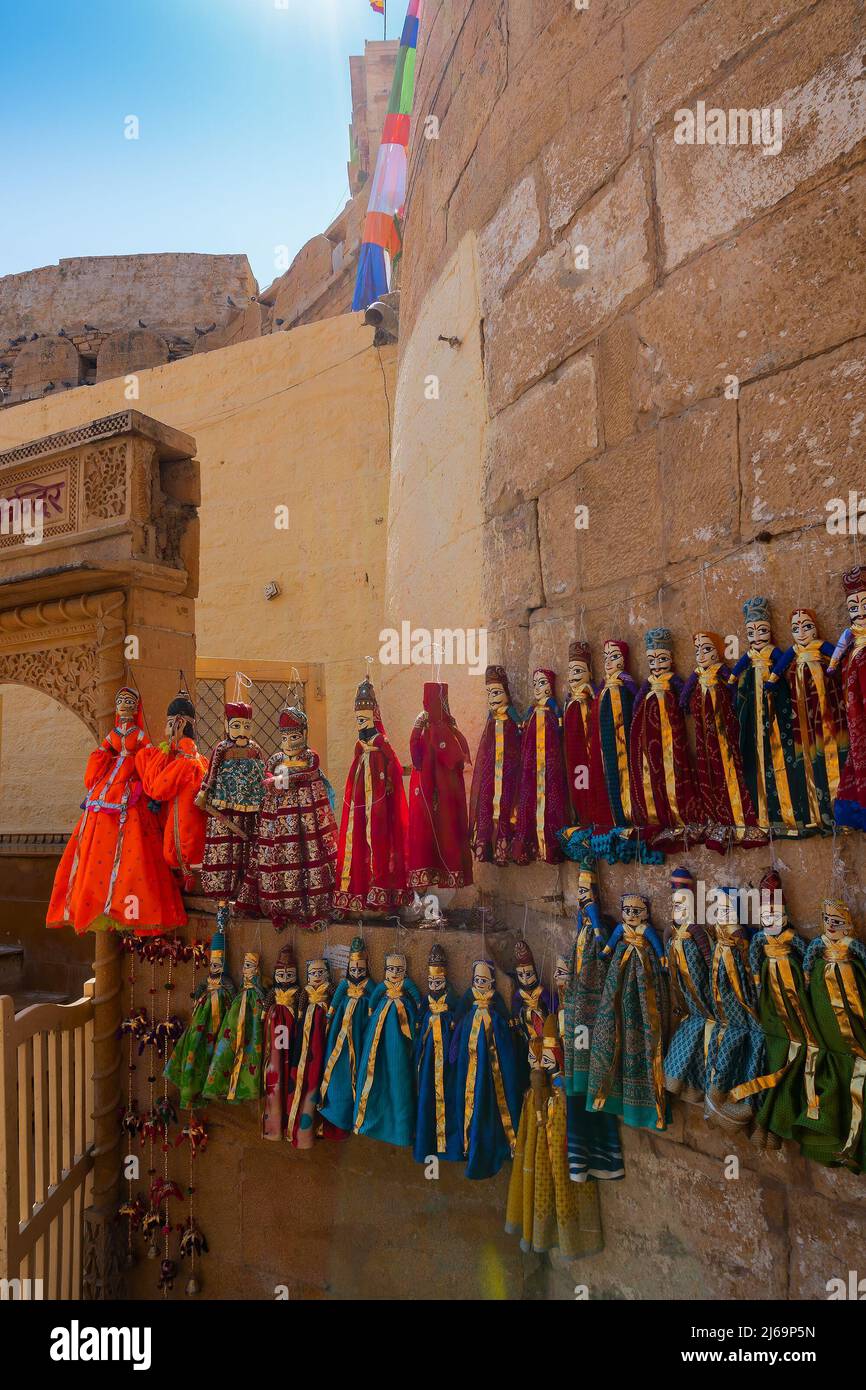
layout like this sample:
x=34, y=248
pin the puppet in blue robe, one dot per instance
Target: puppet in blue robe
x=386, y=1104
x=486, y=1079
x=437, y=1120
x=348, y=1018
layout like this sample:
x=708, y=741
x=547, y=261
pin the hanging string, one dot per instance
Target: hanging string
x=581, y=624
x=242, y=683
x=436, y=665
x=803, y=534
x=661, y=612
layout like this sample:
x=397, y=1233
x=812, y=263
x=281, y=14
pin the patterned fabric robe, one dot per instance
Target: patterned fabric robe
x=774, y=774
x=308, y=1064
x=576, y=726
x=437, y=1118
x=850, y=807
x=594, y=1149
x=726, y=804
x=689, y=956
x=787, y=1092
x=735, y=1053
x=234, y=787
x=387, y=1104
x=626, y=1075
x=493, y=796
x=610, y=732
x=281, y=1012
x=665, y=804
x=542, y=800
x=835, y=972
x=486, y=1083
x=235, y=1072
x=347, y=1027
x=188, y=1066
x=820, y=732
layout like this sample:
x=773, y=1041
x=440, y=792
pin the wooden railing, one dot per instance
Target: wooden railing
x=46, y=1144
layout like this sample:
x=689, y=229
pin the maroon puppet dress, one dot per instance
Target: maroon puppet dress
x=493, y=798
x=542, y=806
x=576, y=715
x=850, y=805
x=308, y=1067
x=708, y=696
x=438, y=847
x=280, y=1028
x=665, y=805
x=610, y=731
x=371, y=858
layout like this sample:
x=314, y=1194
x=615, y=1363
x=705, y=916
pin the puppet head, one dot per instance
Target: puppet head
x=682, y=897
x=854, y=584
x=773, y=916
x=180, y=716
x=239, y=722
x=318, y=972
x=293, y=730
x=543, y=685
x=524, y=965
x=724, y=914
x=127, y=705
x=395, y=968
x=561, y=974
x=551, y=1045
x=285, y=970
x=759, y=631
x=709, y=649
x=804, y=626
x=579, y=666
x=483, y=976
x=635, y=910
x=251, y=968
x=217, y=963
x=659, y=644
x=436, y=970
x=836, y=919
x=587, y=887
x=366, y=707
x=498, y=694
x=357, y=969
x=615, y=656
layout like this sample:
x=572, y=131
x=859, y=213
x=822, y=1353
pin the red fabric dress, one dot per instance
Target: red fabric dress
x=850, y=808
x=113, y=873
x=575, y=734
x=371, y=858
x=278, y=1077
x=174, y=776
x=726, y=806
x=542, y=807
x=438, y=844
x=495, y=779
x=665, y=804
x=308, y=1066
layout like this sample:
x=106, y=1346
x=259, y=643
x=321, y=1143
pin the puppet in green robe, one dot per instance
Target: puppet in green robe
x=835, y=970
x=348, y=1018
x=236, y=1069
x=189, y=1063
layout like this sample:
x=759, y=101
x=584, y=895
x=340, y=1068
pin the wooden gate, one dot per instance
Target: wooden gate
x=46, y=1145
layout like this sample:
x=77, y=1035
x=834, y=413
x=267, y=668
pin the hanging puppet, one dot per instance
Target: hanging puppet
x=112, y=874
x=774, y=775
x=735, y=1050
x=438, y=853
x=576, y=724
x=689, y=954
x=280, y=1026
x=610, y=733
x=818, y=713
x=437, y=1122
x=486, y=1077
x=727, y=813
x=231, y=796
x=530, y=1002
x=665, y=805
x=292, y=866
x=542, y=802
x=835, y=972
x=236, y=1067
x=386, y=1104
x=348, y=1020
x=189, y=1063
x=172, y=774
x=308, y=1065
x=594, y=1149
x=850, y=806
x=495, y=777
x=790, y=1033
x=632, y=1026
x=371, y=861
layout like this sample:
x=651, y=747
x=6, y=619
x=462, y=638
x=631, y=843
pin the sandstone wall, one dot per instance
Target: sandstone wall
x=604, y=378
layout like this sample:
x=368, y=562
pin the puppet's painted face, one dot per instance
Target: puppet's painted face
x=240, y=731
x=682, y=906
x=726, y=911
x=527, y=976
x=395, y=970
x=126, y=704
x=856, y=604
x=317, y=972
x=293, y=741
x=435, y=979
x=660, y=662
x=834, y=924
x=578, y=675
x=561, y=973
x=549, y=1059
x=357, y=969
x=759, y=634
x=635, y=912
x=614, y=661
x=772, y=914
x=496, y=696
x=705, y=652
x=285, y=976
x=251, y=967
x=803, y=629
x=585, y=894
x=482, y=976
x=217, y=964
x=365, y=719
x=541, y=687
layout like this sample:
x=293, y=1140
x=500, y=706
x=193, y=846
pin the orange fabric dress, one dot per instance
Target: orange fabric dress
x=174, y=776
x=112, y=873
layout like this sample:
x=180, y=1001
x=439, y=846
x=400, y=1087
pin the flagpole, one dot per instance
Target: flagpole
x=385, y=20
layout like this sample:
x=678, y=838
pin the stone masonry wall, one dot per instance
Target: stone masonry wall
x=694, y=377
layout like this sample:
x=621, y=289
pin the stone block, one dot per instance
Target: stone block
x=700, y=480
x=468, y=112
x=511, y=567
x=789, y=286
x=800, y=440
x=133, y=351
x=48, y=359
x=619, y=367
x=560, y=541
x=826, y=1243
x=507, y=240
x=585, y=152
x=808, y=77
x=538, y=441
x=649, y=23
x=556, y=307
x=624, y=535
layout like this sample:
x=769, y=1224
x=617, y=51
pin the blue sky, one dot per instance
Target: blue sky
x=243, y=109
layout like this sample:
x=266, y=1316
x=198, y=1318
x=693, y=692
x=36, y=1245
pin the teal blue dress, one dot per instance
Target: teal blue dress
x=386, y=1103
x=347, y=1028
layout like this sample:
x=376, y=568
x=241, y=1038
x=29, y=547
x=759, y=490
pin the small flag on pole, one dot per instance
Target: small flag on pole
x=378, y=6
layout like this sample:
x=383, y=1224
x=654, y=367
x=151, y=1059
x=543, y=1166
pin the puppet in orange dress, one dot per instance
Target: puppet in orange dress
x=113, y=874
x=172, y=773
